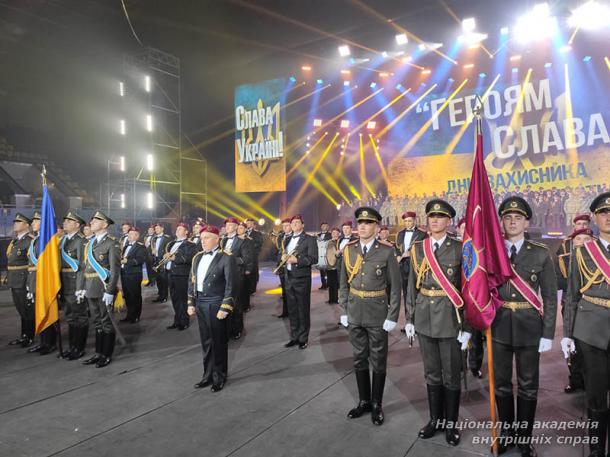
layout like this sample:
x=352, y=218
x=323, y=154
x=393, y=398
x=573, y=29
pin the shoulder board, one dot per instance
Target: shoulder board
x=80, y=235
x=536, y=243
x=417, y=242
x=385, y=243
x=140, y=243
x=351, y=243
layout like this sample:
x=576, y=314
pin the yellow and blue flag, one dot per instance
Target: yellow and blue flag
x=48, y=268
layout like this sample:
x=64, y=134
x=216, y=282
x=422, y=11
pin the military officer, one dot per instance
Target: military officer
x=369, y=268
x=323, y=235
x=404, y=240
x=587, y=318
x=180, y=253
x=158, y=246
x=133, y=258
x=332, y=272
x=102, y=271
x=279, y=244
x=524, y=326
x=434, y=310
x=17, y=276
x=257, y=244
x=48, y=336
x=72, y=292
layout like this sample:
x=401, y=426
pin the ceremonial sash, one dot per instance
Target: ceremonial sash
x=32, y=254
x=100, y=270
x=440, y=277
x=66, y=258
x=600, y=260
x=526, y=290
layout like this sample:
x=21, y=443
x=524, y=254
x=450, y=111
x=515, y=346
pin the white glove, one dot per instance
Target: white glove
x=545, y=345
x=344, y=320
x=29, y=296
x=388, y=326
x=464, y=338
x=410, y=330
x=108, y=299
x=567, y=346
x=80, y=295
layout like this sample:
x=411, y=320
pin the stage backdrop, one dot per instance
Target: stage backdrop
x=260, y=161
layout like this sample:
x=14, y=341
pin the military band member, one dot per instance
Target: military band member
x=242, y=251
x=587, y=317
x=434, y=310
x=384, y=235
x=564, y=258
x=347, y=236
x=369, y=268
x=324, y=235
x=211, y=296
x=48, y=336
x=125, y=226
x=404, y=241
x=244, y=294
x=332, y=272
x=300, y=253
x=257, y=244
x=102, y=271
x=195, y=239
x=179, y=257
x=524, y=326
x=72, y=292
x=158, y=246
x=279, y=244
x=17, y=276
x=133, y=257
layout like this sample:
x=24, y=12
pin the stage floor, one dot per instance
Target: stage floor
x=278, y=402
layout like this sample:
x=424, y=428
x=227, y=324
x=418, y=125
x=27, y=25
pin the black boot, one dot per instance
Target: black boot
x=377, y=398
x=452, y=409
x=80, y=341
x=435, y=404
x=601, y=417
x=98, y=349
x=506, y=416
x=49, y=340
x=526, y=412
x=72, y=331
x=104, y=360
x=363, y=378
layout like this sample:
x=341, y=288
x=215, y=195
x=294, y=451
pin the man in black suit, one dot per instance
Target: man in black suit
x=158, y=246
x=133, y=256
x=210, y=296
x=279, y=244
x=241, y=250
x=404, y=240
x=257, y=243
x=179, y=254
x=125, y=227
x=324, y=235
x=300, y=253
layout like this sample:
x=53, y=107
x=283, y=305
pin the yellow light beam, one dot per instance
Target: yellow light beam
x=387, y=128
x=456, y=139
x=296, y=165
x=515, y=119
x=384, y=173
x=573, y=35
x=607, y=62
x=364, y=184
x=366, y=121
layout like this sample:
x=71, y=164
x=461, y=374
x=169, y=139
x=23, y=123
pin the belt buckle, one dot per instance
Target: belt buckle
x=512, y=306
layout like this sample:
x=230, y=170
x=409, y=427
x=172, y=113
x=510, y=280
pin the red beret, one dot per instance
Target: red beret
x=244, y=225
x=182, y=224
x=234, y=220
x=409, y=214
x=286, y=221
x=383, y=227
x=211, y=229
x=349, y=223
x=297, y=216
x=133, y=228
x=581, y=217
x=584, y=231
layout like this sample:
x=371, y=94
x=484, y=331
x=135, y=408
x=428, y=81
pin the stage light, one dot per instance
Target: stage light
x=421, y=47
x=293, y=79
x=320, y=81
x=384, y=54
x=401, y=39
x=149, y=123
x=342, y=153
x=407, y=59
x=277, y=221
x=482, y=75
x=338, y=206
x=307, y=145
x=308, y=137
x=586, y=58
x=535, y=25
x=344, y=124
x=373, y=85
x=150, y=162
x=150, y=204
x=306, y=68
x=383, y=74
x=147, y=83
x=504, y=31
x=122, y=163
x=344, y=50
x=307, y=152
x=261, y=222
x=346, y=83
x=426, y=71
x=590, y=16
x=317, y=122
x=434, y=46
x=515, y=57
x=515, y=70
x=346, y=72
x=468, y=65
x=565, y=48
x=121, y=89
x=122, y=127
x=123, y=201
x=451, y=80
x=548, y=65
x=371, y=125
x=468, y=25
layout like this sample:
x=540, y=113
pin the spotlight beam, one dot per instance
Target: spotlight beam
x=362, y=124
x=384, y=172
x=364, y=184
x=387, y=128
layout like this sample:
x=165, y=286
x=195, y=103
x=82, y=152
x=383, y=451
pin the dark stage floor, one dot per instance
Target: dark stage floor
x=278, y=402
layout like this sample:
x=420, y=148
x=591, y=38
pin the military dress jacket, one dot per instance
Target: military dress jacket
x=219, y=283
x=17, y=262
x=73, y=247
x=108, y=254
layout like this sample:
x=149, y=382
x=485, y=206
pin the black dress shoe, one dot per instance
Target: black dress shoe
x=171, y=327
x=303, y=345
x=102, y=362
x=182, y=327
x=201, y=384
x=217, y=387
x=282, y=316
x=322, y=288
x=74, y=354
x=26, y=342
x=290, y=344
x=476, y=373
x=15, y=342
x=92, y=360
x=569, y=389
x=35, y=348
x=47, y=350
x=362, y=408
x=377, y=414
x=237, y=336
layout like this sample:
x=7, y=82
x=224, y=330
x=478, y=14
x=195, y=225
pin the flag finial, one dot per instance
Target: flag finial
x=44, y=175
x=478, y=107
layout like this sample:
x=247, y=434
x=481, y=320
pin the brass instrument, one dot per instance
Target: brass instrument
x=283, y=262
x=163, y=262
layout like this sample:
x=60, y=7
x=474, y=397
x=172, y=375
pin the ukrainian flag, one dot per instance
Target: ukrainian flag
x=49, y=262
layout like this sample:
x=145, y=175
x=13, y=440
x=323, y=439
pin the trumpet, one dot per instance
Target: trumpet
x=163, y=262
x=283, y=262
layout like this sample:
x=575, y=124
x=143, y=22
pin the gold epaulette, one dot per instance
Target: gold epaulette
x=351, y=243
x=386, y=243
x=110, y=237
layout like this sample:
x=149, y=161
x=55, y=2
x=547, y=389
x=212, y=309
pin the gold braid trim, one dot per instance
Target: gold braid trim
x=351, y=270
x=587, y=276
x=9, y=250
x=562, y=266
x=420, y=269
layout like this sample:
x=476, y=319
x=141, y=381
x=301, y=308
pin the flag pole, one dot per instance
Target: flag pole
x=490, y=364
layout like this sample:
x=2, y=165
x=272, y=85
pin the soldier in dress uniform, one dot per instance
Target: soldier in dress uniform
x=48, y=337
x=324, y=235
x=242, y=251
x=404, y=241
x=279, y=245
x=564, y=257
x=587, y=319
x=434, y=310
x=211, y=296
x=17, y=276
x=257, y=244
x=133, y=258
x=72, y=293
x=180, y=253
x=125, y=226
x=369, y=268
x=524, y=326
x=102, y=272
x=87, y=233
x=333, y=273
x=158, y=245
